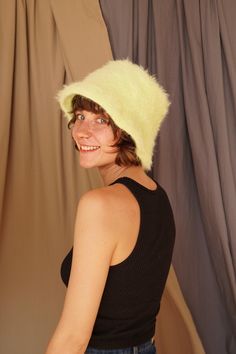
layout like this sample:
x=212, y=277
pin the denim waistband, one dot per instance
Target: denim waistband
x=146, y=344
x=130, y=350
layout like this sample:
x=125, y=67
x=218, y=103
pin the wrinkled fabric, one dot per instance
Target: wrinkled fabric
x=40, y=176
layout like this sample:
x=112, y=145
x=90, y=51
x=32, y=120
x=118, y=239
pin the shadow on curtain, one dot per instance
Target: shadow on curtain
x=190, y=46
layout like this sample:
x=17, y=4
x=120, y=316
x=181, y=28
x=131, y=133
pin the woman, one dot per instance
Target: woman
x=124, y=232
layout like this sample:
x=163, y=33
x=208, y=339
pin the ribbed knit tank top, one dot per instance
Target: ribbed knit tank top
x=133, y=290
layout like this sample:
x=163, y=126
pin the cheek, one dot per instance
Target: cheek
x=107, y=136
x=111, y=141
x=73, y=135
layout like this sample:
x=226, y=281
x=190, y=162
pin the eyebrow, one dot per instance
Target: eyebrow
x=78, y=111
x=104, y=114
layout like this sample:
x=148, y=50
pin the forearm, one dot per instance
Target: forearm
x=65, y=348
x=65, y=344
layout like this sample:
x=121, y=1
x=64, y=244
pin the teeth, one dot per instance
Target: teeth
x=89, y=147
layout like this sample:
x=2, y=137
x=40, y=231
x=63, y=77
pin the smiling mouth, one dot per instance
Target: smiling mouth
x=88, y=150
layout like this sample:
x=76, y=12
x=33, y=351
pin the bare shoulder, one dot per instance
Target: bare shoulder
x=105, y=196
x=111, y=209
x=98, y=217
x=114, y=201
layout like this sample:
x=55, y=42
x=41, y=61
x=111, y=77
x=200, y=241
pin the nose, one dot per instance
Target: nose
x=81, y=129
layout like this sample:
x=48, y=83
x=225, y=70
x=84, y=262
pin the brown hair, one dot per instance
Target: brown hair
x=125, y=144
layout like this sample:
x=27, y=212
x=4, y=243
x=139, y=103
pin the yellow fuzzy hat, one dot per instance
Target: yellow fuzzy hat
x=132, y=97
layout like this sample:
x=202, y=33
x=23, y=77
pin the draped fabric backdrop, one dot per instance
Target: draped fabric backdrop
x=47, y=43
x=43, y=45
x=191, y=47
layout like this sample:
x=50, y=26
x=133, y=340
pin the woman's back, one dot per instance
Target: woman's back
x=139, y=267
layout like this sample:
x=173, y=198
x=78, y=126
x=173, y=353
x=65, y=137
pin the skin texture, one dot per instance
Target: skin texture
x=100, y=243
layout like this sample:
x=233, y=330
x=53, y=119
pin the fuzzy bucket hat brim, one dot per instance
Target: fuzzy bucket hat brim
x=133, y=98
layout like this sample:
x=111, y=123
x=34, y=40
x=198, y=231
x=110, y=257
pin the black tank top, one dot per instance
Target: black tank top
x=133, y=290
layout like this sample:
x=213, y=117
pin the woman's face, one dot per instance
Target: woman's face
x=93, y=134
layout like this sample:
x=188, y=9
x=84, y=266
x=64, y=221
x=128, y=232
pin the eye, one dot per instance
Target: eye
x=79, y=116
x=103, y=120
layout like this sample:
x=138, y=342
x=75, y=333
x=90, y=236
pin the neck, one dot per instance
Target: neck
x=110, y=173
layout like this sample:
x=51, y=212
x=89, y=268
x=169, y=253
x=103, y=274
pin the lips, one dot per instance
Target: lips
x=88, y=148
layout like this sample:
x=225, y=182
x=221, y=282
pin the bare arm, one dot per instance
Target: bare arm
x=94, y=244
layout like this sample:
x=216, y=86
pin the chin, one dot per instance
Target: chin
x=100, y=162
x=86, y=164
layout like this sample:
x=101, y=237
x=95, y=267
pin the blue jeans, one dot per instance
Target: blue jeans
x=144, y=348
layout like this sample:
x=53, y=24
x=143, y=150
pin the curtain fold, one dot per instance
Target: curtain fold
x=137, y=39
x=211, y=131
x=40, y=177
x=130, y=26
x=175, y=330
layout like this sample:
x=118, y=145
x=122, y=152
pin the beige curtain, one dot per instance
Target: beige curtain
x=43, y=45
x=175, y=330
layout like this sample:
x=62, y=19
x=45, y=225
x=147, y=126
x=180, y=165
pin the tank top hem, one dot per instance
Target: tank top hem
x=122, y=343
